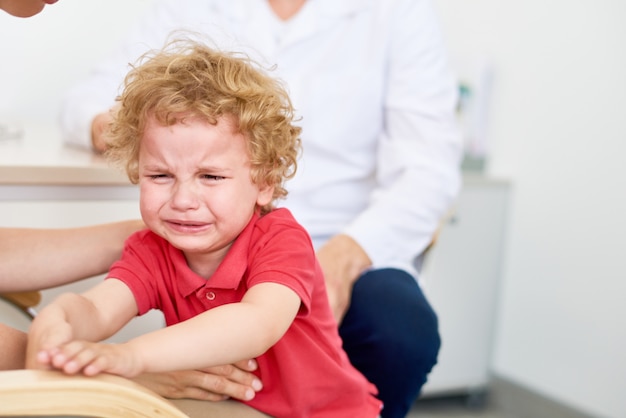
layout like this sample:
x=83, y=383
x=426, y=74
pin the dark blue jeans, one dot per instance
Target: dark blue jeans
x=390, y=334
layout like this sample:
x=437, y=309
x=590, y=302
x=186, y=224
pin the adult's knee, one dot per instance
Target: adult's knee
x=390, y=313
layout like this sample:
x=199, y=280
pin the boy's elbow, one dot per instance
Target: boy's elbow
x=270, y=334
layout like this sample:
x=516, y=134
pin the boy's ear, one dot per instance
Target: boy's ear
x=266, y=193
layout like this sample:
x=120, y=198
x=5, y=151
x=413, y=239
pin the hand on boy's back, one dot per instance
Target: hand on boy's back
x=211, y=384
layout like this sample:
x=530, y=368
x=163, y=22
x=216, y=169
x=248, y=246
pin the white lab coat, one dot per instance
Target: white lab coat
x=371, y=82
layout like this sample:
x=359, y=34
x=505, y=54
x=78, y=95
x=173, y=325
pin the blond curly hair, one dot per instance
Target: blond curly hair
x=189, y=78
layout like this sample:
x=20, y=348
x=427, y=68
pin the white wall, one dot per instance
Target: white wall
x=557, y=130
x=40, y=57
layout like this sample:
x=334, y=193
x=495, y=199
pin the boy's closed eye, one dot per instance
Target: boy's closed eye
x=158, y=176
x=212, y=177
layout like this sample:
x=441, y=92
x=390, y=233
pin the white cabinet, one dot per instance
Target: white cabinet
x=460, y=277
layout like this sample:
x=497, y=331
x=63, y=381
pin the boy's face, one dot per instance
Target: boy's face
x=24, y=8
x=195, y=186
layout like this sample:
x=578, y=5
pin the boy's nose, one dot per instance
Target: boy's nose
x=185, y=196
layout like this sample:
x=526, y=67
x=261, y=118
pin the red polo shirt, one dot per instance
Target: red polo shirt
x=306, y=373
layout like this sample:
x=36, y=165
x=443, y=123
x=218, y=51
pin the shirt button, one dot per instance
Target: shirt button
x=210, y=295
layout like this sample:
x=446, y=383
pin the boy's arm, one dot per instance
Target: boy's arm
x=93, y=316
x=222, y=335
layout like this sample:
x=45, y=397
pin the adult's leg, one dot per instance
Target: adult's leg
x=12, y=348
x=390, y=333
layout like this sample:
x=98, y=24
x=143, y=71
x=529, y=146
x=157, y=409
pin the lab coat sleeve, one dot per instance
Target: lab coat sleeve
x=418, y=167
x=96, y=93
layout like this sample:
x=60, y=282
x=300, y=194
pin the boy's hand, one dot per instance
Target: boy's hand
x=94, y=358
x=44, y=342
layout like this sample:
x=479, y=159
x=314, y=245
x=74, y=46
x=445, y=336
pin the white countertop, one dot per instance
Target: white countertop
x=40, y=158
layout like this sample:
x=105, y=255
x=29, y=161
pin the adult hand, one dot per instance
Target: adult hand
x=210, y=384
x=343, y=261
x=99, y=127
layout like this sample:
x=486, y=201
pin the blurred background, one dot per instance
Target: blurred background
x=548, y=80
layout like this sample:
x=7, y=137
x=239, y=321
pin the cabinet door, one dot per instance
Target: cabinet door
x=460, y=277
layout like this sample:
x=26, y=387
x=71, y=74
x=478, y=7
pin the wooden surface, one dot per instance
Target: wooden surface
x=41, y=393
x=30, y=393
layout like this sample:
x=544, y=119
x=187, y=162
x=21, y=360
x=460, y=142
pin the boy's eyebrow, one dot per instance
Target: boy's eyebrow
x=202, y=168
x=213, y=168
x=154, y=167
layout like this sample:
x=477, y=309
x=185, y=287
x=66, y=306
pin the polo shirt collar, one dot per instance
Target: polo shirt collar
x=230, y=271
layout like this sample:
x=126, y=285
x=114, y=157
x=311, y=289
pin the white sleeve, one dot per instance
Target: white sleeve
x=418, y=167
x=96, y=93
